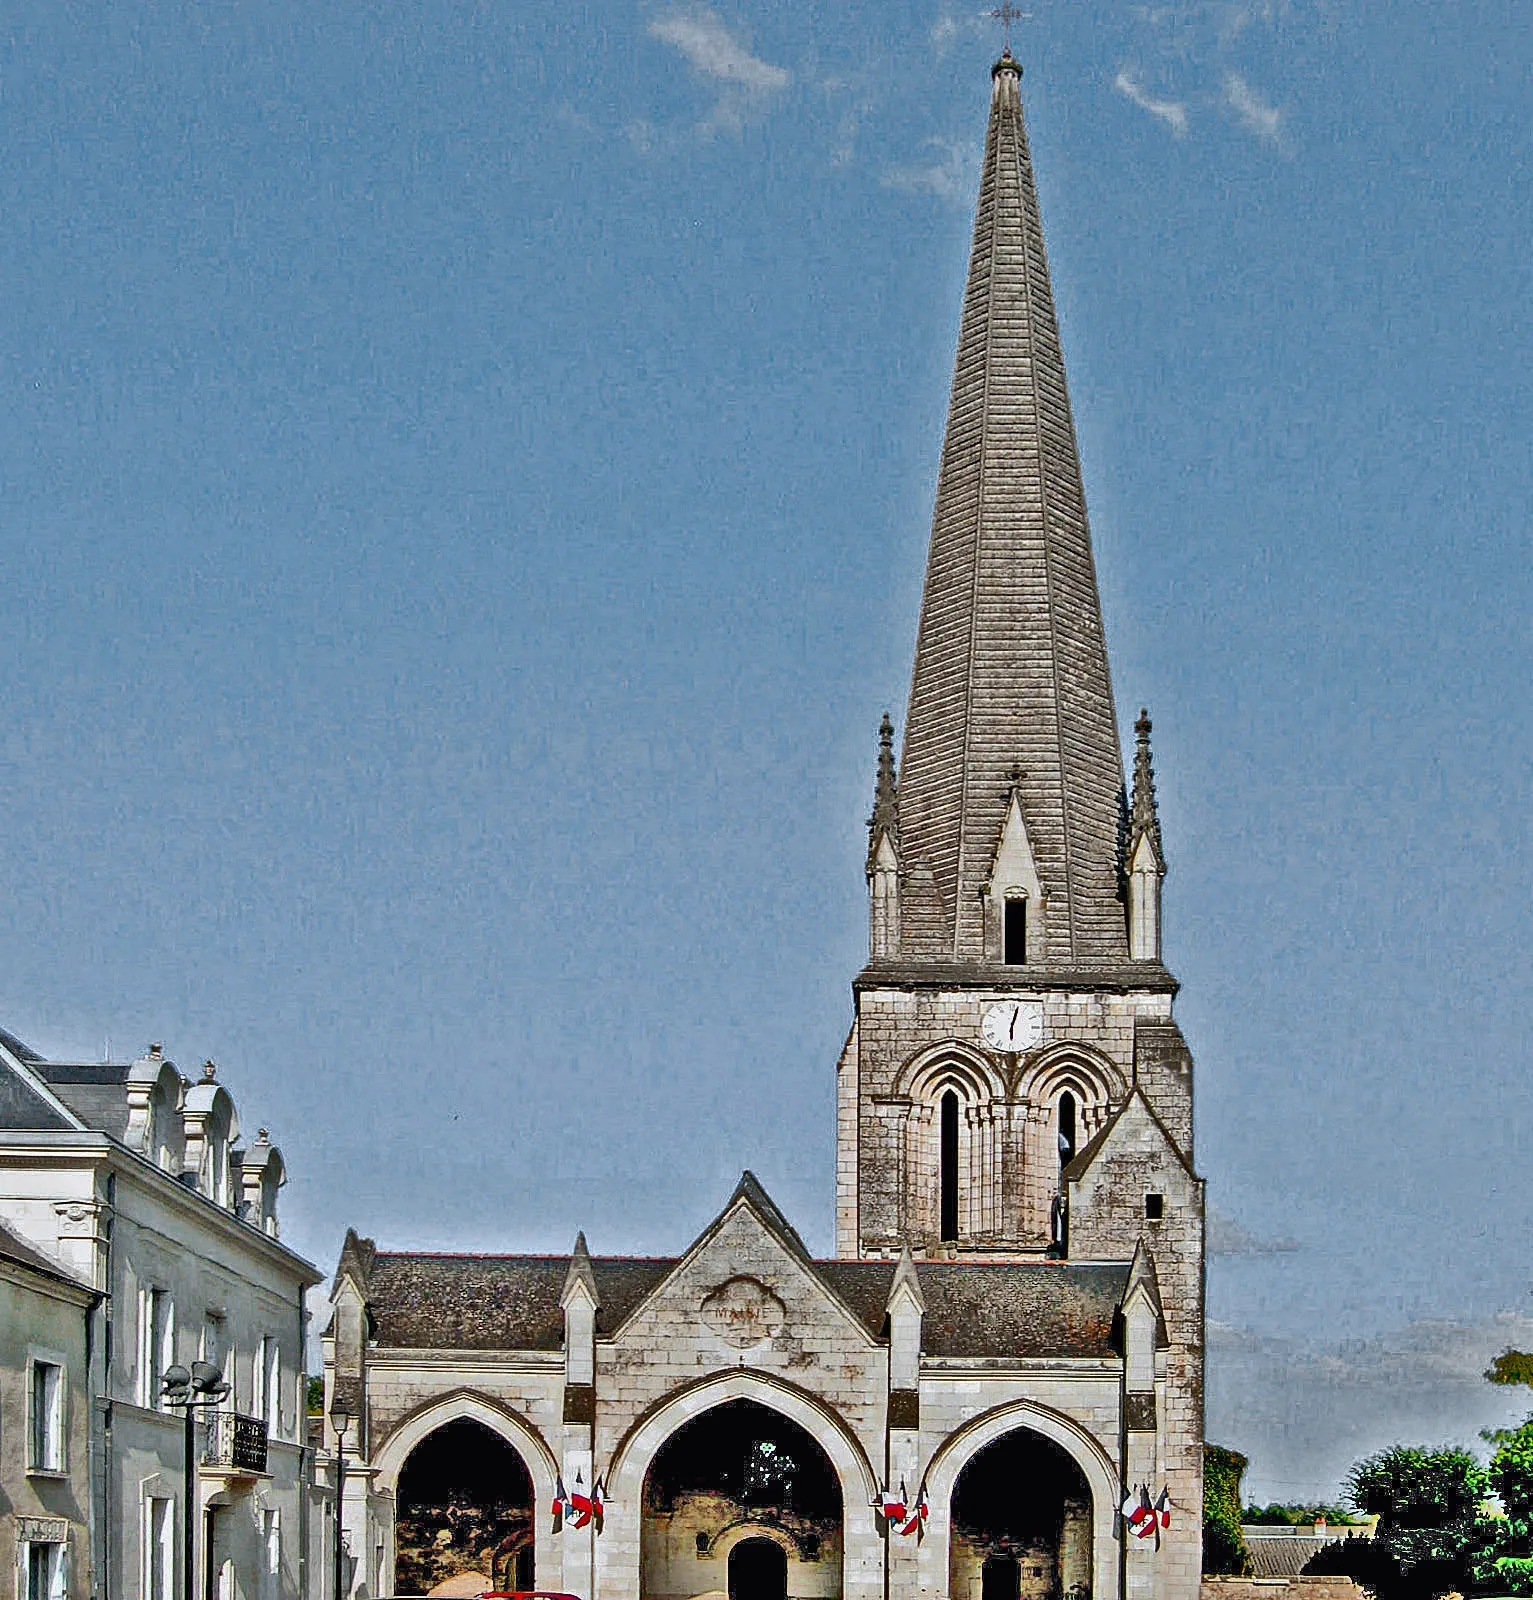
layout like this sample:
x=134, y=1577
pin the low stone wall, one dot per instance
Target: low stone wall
x=1282, y=1589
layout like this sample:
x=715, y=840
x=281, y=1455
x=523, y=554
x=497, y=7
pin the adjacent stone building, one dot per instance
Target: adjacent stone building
x=1009, y=1342
x=45, y=1487
x=137, y=1183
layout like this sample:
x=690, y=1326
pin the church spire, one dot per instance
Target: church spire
x=1145, y=859
x=885, y=819
x=1011, y=665
x=1143, y=817
x=883, y=867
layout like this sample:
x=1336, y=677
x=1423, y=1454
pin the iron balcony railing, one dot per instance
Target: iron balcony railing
x=236, y=1442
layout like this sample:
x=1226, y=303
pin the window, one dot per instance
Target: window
x=218, y=1352
x=258, y=1392
x=268, y=1377
x=159, y=1547
x=271, y=1541
x=1066, y=1129
x=1014, y=933
x=1154, y=1207
x=47, y=1572
x=949, y=1166
x=156, y=1344
x=47, y=1420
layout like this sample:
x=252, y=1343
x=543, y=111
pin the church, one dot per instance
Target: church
x=994, y=1391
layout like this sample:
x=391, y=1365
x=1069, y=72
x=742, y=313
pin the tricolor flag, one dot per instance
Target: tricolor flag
x=891, y=1506
x=1163, y=1508
x=916, y=1522
x=1138, y=1513
x=598, y=1502
x=564, y=1506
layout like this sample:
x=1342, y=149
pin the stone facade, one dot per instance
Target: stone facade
x=45, y=1481
x=136, y=1181
x=1009, y=1341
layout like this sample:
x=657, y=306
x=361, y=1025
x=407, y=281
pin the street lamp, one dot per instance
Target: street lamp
x=340, y=1420
x=199, y=1388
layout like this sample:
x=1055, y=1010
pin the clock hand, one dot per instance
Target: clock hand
x=1011, y=1037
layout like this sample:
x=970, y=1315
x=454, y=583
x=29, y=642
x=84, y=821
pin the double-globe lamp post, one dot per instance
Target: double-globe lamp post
x=340, y=1420
x=192, y=1389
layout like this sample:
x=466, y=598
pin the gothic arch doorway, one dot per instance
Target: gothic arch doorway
x=1021, y=1523
x=758, y=1570
x=741, y=1499
x=464, y=1505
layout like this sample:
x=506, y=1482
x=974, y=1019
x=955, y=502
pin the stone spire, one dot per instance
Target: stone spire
x=1143, y=818
x=885, y=821
x=883, y=868
x=1011, y=666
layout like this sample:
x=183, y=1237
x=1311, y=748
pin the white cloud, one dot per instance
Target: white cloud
x=711, y=49
x=950, y=28
x=949, y=175
x=1172, y=112
x=1264, y=120
x=1305, y=1410
x=1226, y=1237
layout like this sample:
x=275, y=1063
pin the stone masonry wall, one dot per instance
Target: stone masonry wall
x=895, y=1025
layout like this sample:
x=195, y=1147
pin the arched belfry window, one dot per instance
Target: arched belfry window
x=1066, y=1129
x=1014, y=931
x=948, y=1166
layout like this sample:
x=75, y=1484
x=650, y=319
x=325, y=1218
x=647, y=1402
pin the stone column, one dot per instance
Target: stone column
x=576, y=1461
x=906, y=1308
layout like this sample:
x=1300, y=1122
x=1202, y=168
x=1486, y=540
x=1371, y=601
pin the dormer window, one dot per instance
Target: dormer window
x=1014, y=931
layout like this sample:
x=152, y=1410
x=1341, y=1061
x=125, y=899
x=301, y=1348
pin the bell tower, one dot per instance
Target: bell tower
x=1014, y=1003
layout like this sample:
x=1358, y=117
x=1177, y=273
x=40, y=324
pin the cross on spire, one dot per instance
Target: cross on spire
x=1006, y=14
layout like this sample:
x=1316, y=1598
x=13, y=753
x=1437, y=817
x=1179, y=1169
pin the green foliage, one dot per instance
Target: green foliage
x=1511, y=1474
x=316, y=1396
x=1432, y=1534
x=1362, y=1560
x=1511, y=1575
x=1505, y=1562
x=1293, y=1516
x=1224, y=1548
x=1512, y=1367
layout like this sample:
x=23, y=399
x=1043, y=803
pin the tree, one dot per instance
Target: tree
x=1506, y=1563
x=1513, y=1367
x=1432, y=1532
x=1224, y=1546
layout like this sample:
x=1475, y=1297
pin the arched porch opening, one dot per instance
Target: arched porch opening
x=464, y=1505
x=736, y=1477
x=758, y=1570
x=1021, y=1523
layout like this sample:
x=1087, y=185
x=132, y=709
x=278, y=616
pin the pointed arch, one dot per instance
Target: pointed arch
x=960, y=1447
x=636, y=1451
x=466, y=1404
x=950, y=1063
x=460, y=1404
x=1092, y=1076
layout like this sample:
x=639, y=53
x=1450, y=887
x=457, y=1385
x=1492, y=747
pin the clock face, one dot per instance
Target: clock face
x=1013, y=1025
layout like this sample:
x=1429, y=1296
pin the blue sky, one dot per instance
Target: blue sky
x=465, y=474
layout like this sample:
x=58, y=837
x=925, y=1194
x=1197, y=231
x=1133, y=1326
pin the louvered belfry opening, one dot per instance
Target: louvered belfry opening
x=1011, y=678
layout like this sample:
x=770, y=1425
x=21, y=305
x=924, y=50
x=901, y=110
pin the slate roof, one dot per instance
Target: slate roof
x=1282, y=1558
x=22, y=1052
x=21, y=1105
x=478, y=1302
x=1011, y=664
x=95, y=1091
x=509, y=1302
